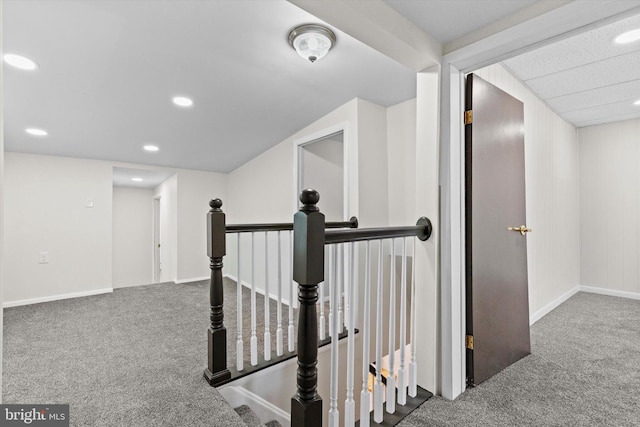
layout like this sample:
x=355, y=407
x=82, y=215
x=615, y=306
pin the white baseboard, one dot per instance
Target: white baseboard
x=552, y=305
x=266, y=411
x=610, y=292
x=571, y=292
x=195, y=279
x=30, y=301
x=273, y=296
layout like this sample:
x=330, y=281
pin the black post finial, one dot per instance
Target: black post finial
x=309, y=198
x=215, y=205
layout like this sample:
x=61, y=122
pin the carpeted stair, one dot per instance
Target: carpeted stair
x=251, y=419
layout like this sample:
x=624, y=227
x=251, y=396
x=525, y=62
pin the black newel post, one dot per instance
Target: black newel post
x=216, y=371
x=308, y=271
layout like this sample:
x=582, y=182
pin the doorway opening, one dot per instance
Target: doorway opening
x=321, y=165
x=157, y=265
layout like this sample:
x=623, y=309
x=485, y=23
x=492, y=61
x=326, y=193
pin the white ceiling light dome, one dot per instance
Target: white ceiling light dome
x=628, y=37
x=19, y=61
x=36, y=132
x=182, y=101
x=312, y=41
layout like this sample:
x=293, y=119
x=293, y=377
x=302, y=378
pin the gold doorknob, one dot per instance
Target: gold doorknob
x=522, y=229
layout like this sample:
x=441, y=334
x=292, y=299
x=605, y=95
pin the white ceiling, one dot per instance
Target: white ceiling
x=448, y=20
x=587, y=79
x=108, y=70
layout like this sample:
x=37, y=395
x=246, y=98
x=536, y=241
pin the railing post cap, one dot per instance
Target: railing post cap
x=215, y=204
x=309, y=198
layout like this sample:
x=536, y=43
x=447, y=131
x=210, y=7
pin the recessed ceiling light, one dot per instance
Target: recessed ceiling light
x=151, y=147
x=36, y=132
x=136, y=179
x=637, y=102
x=628, y=37
x=182, y=101
x=19, y=61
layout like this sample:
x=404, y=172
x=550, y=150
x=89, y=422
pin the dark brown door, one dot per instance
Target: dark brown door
x=497, y=313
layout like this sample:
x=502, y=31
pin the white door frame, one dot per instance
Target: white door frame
x=547, y=27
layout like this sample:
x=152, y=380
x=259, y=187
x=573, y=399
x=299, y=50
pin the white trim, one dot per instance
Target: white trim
x=195, y=279
x=298, y=166
x=533, y=318
x=258, y=290
x=452, y=235
x=56, y=297
x=610, y=292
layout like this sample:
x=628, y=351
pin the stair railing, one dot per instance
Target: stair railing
x=310, y=238
x=217, y=371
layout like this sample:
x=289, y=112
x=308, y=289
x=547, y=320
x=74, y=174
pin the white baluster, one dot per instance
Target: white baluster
x=413, y=367
x=378, y=388
x=365, y=395
x=322, y=320
x=290, y=329
x=331, y=280
x=254, y=338
x=350, y=289
x=267, y=314
x=391, y=381
x=402, y=383
x=334, y=414
x=239, y=343
x=339, y=284
x=279, y=309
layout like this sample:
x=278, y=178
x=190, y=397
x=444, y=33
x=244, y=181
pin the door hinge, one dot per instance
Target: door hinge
x=468, y=117
x=469, y=342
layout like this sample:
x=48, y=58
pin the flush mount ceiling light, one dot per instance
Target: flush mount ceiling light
x=136, y=179
x=19, y=61
x=182, y=101
x=628, y=37
x=637, y=102
x=150, y=147
x=312, y=41
x=36, y=132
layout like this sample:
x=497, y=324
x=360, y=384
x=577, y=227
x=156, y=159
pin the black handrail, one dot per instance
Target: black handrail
x=422, y=230
x=245, y=228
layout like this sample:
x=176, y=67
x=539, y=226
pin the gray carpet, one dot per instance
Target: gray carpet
x=135, y=358
x=584, y=370
x=131, y=358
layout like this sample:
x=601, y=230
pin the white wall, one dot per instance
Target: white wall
x=167, y=192
x=45, y=211
x=132, y=236
x=401, y=158
x=195, y=190
x=553, y=201
x=610, y=207
x=264, y=188
x=372, y=191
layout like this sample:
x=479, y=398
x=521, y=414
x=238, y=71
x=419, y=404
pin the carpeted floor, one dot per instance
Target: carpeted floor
x=135, y=358
x=131, y=358
x=584, y=370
